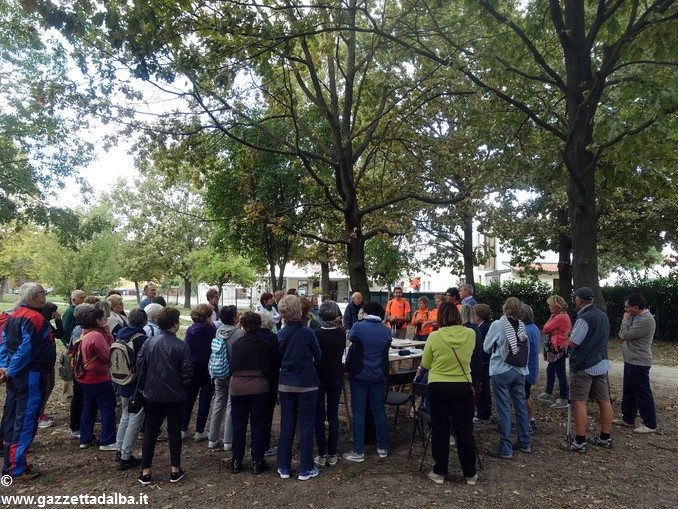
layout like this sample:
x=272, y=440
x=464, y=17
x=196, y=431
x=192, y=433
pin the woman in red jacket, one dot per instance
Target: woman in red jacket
x=558, y=330
x=96, y=382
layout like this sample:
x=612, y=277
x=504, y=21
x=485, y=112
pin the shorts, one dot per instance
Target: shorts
x=528, y=386
x=584, y=387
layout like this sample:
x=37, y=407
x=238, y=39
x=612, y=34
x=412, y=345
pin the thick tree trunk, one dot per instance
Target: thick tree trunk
x=281, y=276
x=469, y=259
x=325, y=277
x=564, y=255
x=187, y=292
x=581, y=194
x=357, y=272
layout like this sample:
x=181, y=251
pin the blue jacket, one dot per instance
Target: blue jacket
x=533, y=360
x=367, y=358
x=27, y=343
x=300, y=351
x=164, y=368
x=351, y=315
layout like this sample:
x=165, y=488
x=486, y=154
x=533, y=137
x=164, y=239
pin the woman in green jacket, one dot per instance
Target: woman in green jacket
x=447, y=356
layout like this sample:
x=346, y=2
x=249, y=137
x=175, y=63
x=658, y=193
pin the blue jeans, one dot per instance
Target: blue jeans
x=637, y=395
x=99, y=396
x=330, y=411
x=292, y=404
x=510, y=387
x=376, y=392
x=553, y=369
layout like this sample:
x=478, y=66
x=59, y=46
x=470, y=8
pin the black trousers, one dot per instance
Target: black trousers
x=484, y=394
x=255, y=409
x=155, y=413
x=451, y=404
x=77, y=402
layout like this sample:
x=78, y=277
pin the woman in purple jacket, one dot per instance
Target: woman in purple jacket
x=199, y=338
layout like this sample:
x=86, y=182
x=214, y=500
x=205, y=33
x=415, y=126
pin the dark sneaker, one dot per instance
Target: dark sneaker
x=607, y=444
x=145, y=480
x=574, y=447
x=177, y=476
x=131, y=462
x=259, y=467
x=522, y=448
x=533, y=424
x=494, y=453
x=28, y=475
x=236, y=466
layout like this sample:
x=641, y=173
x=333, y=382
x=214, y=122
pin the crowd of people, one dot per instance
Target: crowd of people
x=294, y=352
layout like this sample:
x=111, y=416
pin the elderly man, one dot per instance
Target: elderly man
x=150, y=292
x=588, y=370
x=352, y=310
x=27, y=353
x=77, y=297
x=636, y=332
x=466, y=294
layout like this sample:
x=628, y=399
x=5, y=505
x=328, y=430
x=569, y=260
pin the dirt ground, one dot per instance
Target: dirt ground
x=639, y=472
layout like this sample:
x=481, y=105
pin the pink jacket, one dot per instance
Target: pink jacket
x=96, y=349
x=558, y=327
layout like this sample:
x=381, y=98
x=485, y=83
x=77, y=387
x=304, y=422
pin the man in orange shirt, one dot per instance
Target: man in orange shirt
x=398, y=313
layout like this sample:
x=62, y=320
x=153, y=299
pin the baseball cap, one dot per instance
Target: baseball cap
x=584, y=293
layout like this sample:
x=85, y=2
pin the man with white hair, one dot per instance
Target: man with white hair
x=27, y=353
x=466, y=294
x=77, y=297
x=352, y=310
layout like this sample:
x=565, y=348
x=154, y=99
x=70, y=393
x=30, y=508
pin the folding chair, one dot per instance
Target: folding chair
x=421, y=420
x=398, y=396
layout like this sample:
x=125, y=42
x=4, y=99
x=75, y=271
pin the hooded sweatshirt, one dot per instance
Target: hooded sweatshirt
x=439, y=354
x=199, y=338
x=229, y=334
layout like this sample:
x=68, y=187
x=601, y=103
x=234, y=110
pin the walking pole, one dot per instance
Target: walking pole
x=568, y=432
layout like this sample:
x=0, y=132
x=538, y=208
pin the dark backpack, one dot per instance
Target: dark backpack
x=520, y=356
x=72, y=366
x=122, y=360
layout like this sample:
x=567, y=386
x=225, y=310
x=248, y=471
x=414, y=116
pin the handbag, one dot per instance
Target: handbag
x=136, y=402
x=473, y=395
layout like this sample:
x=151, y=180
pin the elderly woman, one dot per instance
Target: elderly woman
x=164, y=368
x=97, y=388
x=367, y=368
x=116, y=320
x=332, y=341
x=297, y=389
x=199, y=338
x=308, y=317
x=267, y=306
x=266, y=334
x=482, y=382
x=250, y=364
x=77, y=399
x=557, y=328
x=152, y=311
x=447, y=356
x=508, y=380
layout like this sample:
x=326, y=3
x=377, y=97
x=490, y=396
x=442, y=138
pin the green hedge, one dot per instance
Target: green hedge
x=661, y=295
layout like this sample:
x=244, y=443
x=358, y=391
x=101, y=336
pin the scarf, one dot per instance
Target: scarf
x=512, y=332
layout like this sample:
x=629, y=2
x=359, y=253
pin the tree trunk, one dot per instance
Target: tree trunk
x=325, y=277
x=564, y=255
x=357, y=272
x=3, y=282
x=274, y=280
x=469, y=259
x=281, y=275
x=187, y=292
x=581, y=194
x=136, y=288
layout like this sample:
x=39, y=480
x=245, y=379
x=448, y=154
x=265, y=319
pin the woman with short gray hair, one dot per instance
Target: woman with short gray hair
x=332, y=342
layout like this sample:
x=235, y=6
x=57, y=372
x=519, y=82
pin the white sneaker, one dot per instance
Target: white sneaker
x=382, y=453
x=109, y=447
x=228, y=447
x=273, y=451
x=436, y=478
x=544, y=397
x=321, y=461
x=332, y=460
x=213, y=445
x=471, y=481
x=200, y=437
x=73, y=435
x=45, y=422
x=355, y=457
x=644, y=429
x=559, y=403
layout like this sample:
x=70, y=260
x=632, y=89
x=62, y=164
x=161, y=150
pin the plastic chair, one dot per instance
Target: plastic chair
x=398, y=396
